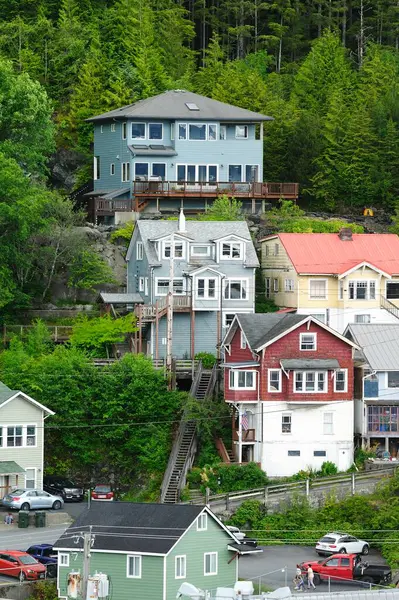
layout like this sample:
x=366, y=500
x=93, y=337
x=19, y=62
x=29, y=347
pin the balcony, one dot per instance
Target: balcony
x=108, y=207
x=248, y=435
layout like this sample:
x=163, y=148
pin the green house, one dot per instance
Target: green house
x=147, y=550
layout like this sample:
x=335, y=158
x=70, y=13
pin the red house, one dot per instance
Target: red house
x=289, y=378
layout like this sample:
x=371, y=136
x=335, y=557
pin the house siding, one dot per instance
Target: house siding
x=110, y=147
x=205, y=334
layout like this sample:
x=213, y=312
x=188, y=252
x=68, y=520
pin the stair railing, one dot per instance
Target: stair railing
x=389, y=306
x=212, y=382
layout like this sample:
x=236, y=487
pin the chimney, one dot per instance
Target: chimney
x=182, y=222
x=345, y=234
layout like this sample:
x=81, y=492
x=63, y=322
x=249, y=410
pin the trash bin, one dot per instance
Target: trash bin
x=23, y=519
x=40, y=518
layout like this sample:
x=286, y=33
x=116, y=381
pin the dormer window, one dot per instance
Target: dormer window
x=200, y=250
x=231, y=251
x=173, y=249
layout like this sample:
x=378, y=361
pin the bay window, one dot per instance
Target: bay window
x=313, y=382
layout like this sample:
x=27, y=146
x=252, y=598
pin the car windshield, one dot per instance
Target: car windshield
x=47, y=552
x=327, y=540
x=16, y=493
x=103, y=489
x=27, y=560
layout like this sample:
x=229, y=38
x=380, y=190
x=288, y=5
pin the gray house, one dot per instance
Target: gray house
x=21, y=440
x=178, y=149
x=213, y=267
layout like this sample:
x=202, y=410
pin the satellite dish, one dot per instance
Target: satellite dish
x=189, y=590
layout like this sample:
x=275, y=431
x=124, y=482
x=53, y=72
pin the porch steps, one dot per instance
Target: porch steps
x=171, y=496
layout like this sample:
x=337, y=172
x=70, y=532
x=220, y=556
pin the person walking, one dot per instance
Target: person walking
x=311, y=578
x=299, y=584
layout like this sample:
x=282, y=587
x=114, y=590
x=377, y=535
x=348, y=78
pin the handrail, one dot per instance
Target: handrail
x=212, y=381
x=250, y=189
x=389, y=306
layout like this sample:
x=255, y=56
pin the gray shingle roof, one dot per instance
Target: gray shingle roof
x=197, y=231
x=172, y=105
x=310, y=363
x=261, y=328
x=109, y=298
x=379, y=343
x=131, y=527
x=6, y=393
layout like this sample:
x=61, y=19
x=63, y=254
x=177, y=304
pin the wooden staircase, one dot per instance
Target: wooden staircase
x=185, y=445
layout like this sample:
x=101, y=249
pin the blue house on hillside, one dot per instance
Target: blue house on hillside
x=213, y=266
x=178, y=150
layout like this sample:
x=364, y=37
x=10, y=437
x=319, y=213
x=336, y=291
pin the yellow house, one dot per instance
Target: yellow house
x=338, y=278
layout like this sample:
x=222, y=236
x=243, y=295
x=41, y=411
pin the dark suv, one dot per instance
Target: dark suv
x=62, y=486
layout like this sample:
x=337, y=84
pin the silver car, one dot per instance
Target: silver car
x=27, y=499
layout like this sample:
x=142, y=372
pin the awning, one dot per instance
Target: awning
x=238, y=365
x=243, y=549
x=311, y=363
x=9, y=467
x=120, y=298
x=109, y=194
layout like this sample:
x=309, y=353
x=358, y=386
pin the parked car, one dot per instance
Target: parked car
x=27, y=499
x=332, y=543
x=61, y=486
x=102, y=492
x=347, y=566
x=241, y=536
x=45, y=555
x=16, y=563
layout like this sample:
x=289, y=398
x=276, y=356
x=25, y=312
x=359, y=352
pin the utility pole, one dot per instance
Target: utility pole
x=169, y=317
x=87, y=541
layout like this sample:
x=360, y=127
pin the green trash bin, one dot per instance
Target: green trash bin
x=40, y=518
x=23, y=519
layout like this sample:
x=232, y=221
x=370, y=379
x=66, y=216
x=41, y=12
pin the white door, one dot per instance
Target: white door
x=30, y=478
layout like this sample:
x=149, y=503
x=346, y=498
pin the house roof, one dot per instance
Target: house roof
x=173, y=105
x=121, y=298
x=10, y=467
x=326, y=253
x=379, y=343
x=130, y=527
x=309, y=363
x=6, y=395
x=261, y=328
x=200, y=232
x=152, y=150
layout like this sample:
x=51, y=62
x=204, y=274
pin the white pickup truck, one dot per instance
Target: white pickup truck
x=241, y=536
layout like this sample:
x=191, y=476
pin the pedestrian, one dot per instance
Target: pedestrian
x=298, y=581
x=311, y=578
x=8, y=519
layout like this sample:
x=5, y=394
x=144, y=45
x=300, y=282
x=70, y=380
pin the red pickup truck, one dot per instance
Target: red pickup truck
x=347, y=566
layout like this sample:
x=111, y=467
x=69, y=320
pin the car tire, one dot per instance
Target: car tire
x=320, y=553
x=342, y=551
x=25, y=506
x=51, y=570
x=317, y=579
x=56, y=505
x=22, y=576
x=366, y=549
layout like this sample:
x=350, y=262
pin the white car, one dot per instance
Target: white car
x=342, y=543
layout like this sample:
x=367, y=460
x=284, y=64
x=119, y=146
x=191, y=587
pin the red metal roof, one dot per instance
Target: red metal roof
x=326, y=253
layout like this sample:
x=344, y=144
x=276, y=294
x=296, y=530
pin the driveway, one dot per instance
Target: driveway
x=276, y=558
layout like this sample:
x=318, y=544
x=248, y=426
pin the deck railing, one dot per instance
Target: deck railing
x=209, y=189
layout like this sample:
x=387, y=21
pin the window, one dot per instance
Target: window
x=341, y=381
x=251, y=173
x=155, y=131
x=125, y=167
x=383, y=419
x=268, y=287
x=319, y=316
x=294, y=453
x=139, y=251
x=206, y=288
x=345, y=562
x=228, y=318
x=333, y=562
x=274, y=380
x=113, y=127
x=362, y=319
x=146, y=286
x=362, y=290
x=310, y=381
x=286, y=423
x=341, y=290
x=14, y=436
x=96, y=168
x=173, y=250
x=266, y=250
x=289, y=285
x=200, y=250
x=232, y=251
x=30, y=478
x=243, y=341
x=163, y=287
x=138, y=131
x=30, y=435
x=275, y=285
x=319, y=453
x=202, y=522
x=210, y=563
x=212, y=131
x=134, y=566
x=141, y=284
x=235, y=173
x=242, y=132
x=112, y=169
x=223, y=132
x=235, y=289
x=307, y=341
x=1, y=436
x=318, y=289
x=172, y=131
x=328, y=423
x=141, y=170
x=158, y=170
x=276, y=249
x=180, y=567
x=63, y=559
x=197, y=132
x=124, y=131
x=242, y=380
x=182, y=131
x=392, y=290
x=393, y=379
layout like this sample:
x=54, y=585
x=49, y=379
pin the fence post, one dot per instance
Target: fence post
x=227, y=501
x=266, y=495
x=307, y=487
x=353, y=484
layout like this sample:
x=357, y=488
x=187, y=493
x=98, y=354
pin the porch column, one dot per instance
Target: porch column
x=239, y=434
x=192, y=328
x=387, y=444
x=253, y=206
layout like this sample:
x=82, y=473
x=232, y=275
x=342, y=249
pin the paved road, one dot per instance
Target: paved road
x=276, y=558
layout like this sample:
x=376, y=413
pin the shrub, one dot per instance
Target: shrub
x=123, y=234
x=361, y=455
x=207, y=359
x=231, y=477
x=328, y=468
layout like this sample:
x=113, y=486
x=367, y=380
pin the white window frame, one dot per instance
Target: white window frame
x=139, y=250
x=258, y=173
x=146, y=286
x=225, y=315
x=211, y=554
x=63, y=559
x=195, y=124
x=365, y=318
x=96, y=169
x=180, y=566
x=370, y=285
x=26, y=435
x=113, y=128
x=301, y=342
x=269, y=386
x=228, y=172
x=327, y=423
x=206, y=295
x=159, y=163
x=286, y=415
x=125, y=172
x=124, y=130
x=202, y=522
x=135, y=557
x=112, y=169
x=157, y=279
x=244, y=284
x=138, y=123
x=242, y=137
x=230, y=255
x=289, y=285
x=141, y=284
x=322, y=317
x=34, y=479
x=181, y=139
x=201, y=255
x=173, y=244
x=316, y=380
x=156, y=139
x=243, y=340
x=4, y=435
x=142, y=162
x=275, y=285
x=234, y=376
x=345, y=371
x=22, y=436
x=311, y=297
